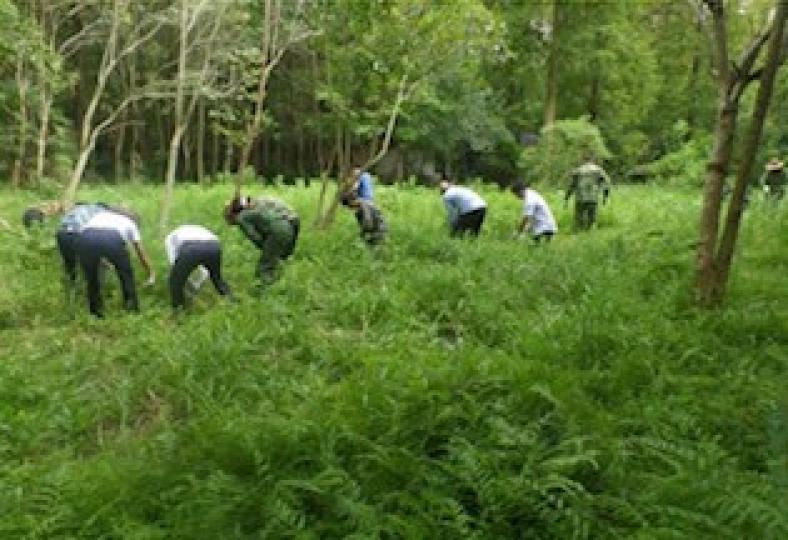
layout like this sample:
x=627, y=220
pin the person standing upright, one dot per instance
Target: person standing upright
x=586, y=182
x=465, y=209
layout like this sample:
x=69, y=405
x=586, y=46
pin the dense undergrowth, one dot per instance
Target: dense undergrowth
x=433, y=389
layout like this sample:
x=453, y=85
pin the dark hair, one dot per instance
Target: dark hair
x=519, y=186
x=32, y=216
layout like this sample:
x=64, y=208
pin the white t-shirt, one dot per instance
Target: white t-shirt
x=460, y=200
x=110, y=220
x=185, y=233
x=188, y=233
x=539, y=214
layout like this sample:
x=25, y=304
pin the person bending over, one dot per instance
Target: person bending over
x=190, y=248
x=370, y=220
x=105, y=236
x=537, y=217
x=271, y=225
x=465, y=210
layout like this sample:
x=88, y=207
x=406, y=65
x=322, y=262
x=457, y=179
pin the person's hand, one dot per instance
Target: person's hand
x=151, y=279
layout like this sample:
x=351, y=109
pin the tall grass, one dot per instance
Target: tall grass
x=435, y=388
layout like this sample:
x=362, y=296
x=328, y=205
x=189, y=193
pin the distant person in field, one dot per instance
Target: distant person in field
x=363, y=184
x=71, y=225
x=370, y=220
x=37, y=214
x=465, y=210
x=586, y=183
x=271, y=225
x=537, y=217
x=104, y=237
x=773, y=180
x=194, y=254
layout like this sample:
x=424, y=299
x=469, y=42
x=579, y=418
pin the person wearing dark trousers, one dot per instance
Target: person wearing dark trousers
x=104, y=237
x=195, y=254
x=68, y=232
x=464, y=208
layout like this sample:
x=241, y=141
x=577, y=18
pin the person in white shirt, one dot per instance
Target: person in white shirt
x=190, y=248
x=464, y=208
x=104, y=236
x=537, y=217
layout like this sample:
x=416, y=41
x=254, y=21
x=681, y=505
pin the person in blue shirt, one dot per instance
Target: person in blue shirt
x=362, y=184
x=465, y=210
x=67, y=233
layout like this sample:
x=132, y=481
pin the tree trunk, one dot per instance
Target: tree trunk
x=551, y=90
x=713, y=262
x=23, y=83
x=200, y=158
x=730, y=231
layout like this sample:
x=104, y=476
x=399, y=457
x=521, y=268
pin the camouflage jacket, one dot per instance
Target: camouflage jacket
x=587, y=181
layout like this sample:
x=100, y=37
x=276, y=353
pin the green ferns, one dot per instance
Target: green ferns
x=431, y=389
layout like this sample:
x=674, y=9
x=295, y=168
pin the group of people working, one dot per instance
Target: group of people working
x=96, y=234
x=93, y=235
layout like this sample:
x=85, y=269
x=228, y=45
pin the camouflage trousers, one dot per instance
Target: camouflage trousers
x=585, y=215
x=278, y=245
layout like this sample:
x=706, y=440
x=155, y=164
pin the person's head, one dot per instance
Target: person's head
x=519, y=187
x=232, y=209
x=443, y=186
x=356, y=172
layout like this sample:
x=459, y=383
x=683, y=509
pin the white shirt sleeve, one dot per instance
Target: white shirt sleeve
x=171, y=247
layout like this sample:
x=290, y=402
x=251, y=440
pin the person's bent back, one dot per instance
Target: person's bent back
x=190, y=248
x=105, y=236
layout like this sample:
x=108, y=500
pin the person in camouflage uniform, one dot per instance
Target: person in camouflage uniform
x=585, y=183
x=271, y=225
x=773, y=180
x=370, y=220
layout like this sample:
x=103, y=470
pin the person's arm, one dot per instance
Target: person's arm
x=570, y=188
x=170, y=249
x=605, y=186
x=452, y=211
x=523, y=225
x=246, y=223
x=145, y=261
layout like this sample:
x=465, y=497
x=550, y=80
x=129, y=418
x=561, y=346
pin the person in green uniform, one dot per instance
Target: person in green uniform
x=271, y=225
x=585, y=183
x=773, y=180
x=370, y=220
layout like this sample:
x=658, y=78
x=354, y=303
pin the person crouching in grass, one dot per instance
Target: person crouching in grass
x=190, y=248
x=372, y=226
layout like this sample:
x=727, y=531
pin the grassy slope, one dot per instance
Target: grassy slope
x=436, y=389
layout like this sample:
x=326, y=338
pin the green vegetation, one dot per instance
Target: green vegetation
x=432, y=389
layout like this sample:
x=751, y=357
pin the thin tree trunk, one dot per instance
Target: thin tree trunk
x=200, y=158
x=551, y=91
x=23, y=84
x=119, y=147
